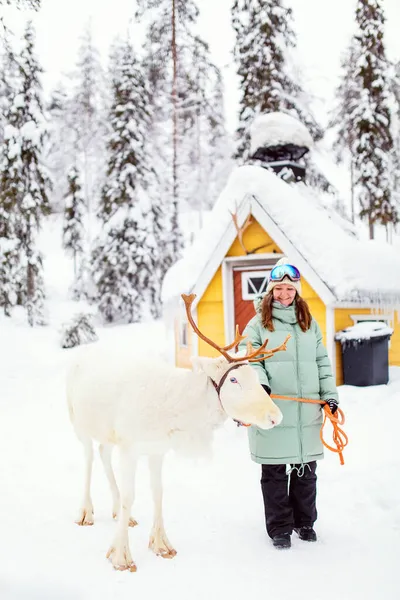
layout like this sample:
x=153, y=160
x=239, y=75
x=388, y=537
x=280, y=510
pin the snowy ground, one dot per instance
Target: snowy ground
x=213, y=510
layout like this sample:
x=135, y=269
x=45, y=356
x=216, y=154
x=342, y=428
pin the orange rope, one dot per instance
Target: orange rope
x=339, y=437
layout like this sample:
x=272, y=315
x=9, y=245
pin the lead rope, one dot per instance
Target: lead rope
x=339, y=437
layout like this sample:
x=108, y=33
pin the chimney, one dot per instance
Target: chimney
x=279, y=142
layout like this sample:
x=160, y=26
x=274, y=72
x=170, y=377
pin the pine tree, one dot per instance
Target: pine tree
x=348, y=95
x=264, y=37
x=8, y=78
x=373, y=144
x=24, y=184
x=179, y=65
x=123, y=259
x=395, y=179
x=61, y=148
x=74, y=215
x=203, y=141
x=86, y=114
x=170, y=36
x=35, y=4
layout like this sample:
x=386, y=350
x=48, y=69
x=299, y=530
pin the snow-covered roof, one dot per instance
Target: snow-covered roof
x=307, y=232
x=277, y=128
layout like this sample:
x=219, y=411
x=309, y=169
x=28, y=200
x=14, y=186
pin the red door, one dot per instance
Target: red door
x=247, y=284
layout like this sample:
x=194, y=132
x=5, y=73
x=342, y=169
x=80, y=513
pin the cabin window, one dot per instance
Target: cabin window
x=183, y=335
x=363, y=318
x=254, y=283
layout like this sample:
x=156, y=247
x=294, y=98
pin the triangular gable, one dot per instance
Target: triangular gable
x=251, y=205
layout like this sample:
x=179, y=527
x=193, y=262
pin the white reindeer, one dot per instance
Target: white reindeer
x=148, y=408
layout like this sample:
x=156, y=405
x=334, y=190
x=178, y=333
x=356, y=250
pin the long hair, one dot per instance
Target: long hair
x=303, y=314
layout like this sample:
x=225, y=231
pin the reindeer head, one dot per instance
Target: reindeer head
x=242, y=396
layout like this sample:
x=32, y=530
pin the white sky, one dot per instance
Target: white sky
x=323, y=29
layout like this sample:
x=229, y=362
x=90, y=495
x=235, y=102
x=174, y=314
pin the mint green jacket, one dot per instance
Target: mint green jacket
x=302, y=371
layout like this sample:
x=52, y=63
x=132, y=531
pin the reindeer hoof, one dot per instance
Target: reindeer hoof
x=163, y=550
x=126, y=564
x=86, y=519
x=168, y=554
x=131, y=567
x=132, y=522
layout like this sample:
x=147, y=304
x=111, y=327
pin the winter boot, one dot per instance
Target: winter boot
x=281, y=541
x=306, y=533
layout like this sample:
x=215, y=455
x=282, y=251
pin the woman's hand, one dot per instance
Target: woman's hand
x=333, y=405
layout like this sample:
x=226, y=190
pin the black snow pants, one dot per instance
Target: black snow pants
x=289, y=500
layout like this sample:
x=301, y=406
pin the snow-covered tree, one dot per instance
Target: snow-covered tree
x=8, y=76
x=74, y=217
x=61, y=145
x=86, y=115
x=124, y=255
x=396, y=136
x=80, y=330
x=9, y=252
x=264, y=38
x=123, y=266
x=24, y=184
x=347, y=98
x=373, y=143
x=180, y=68
x=35, y=4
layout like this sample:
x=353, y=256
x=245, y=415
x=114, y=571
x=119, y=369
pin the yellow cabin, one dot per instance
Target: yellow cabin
x=344, y=280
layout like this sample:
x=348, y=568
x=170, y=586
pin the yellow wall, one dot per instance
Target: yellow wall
x=254, y=237
x=343, y=320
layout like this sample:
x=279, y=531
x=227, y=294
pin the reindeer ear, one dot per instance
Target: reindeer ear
x=210, y=366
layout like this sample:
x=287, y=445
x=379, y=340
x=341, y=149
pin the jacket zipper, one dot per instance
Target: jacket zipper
x=300, y=396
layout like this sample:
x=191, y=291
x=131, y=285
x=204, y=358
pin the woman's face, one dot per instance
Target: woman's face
x=284, y=293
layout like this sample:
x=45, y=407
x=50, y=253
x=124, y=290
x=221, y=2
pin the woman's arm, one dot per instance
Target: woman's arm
x=327, y=385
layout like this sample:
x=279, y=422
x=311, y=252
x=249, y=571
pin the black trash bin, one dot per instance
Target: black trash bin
x=365, y=353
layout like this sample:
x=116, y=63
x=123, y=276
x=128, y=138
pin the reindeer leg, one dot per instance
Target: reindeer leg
x=86, y=512
x=159, y=542
x=119, y=553
x=105, y=454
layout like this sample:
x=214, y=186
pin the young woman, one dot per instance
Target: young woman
x=288, y=452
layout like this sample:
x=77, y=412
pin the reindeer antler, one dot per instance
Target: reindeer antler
x=241, y=230
x=262, y=353
x=267, y=353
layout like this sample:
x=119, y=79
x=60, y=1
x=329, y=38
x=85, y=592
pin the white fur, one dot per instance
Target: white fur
x=147, y=407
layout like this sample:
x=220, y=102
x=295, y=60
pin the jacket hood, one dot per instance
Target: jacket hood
x=257, y=303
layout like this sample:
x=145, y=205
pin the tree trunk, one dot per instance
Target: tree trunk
x=30, y=291
x=353, y=218
x=175, y=208
x=371, y=229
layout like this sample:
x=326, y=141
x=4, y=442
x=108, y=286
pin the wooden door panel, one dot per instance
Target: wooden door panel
x=244, y=309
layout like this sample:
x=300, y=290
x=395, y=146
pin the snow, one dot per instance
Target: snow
x=355, y=270
x=277, y=128
x=364, y=331
x=213, y=508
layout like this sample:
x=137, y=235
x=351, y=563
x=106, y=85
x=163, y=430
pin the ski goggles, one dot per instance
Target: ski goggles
x=281, y=271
